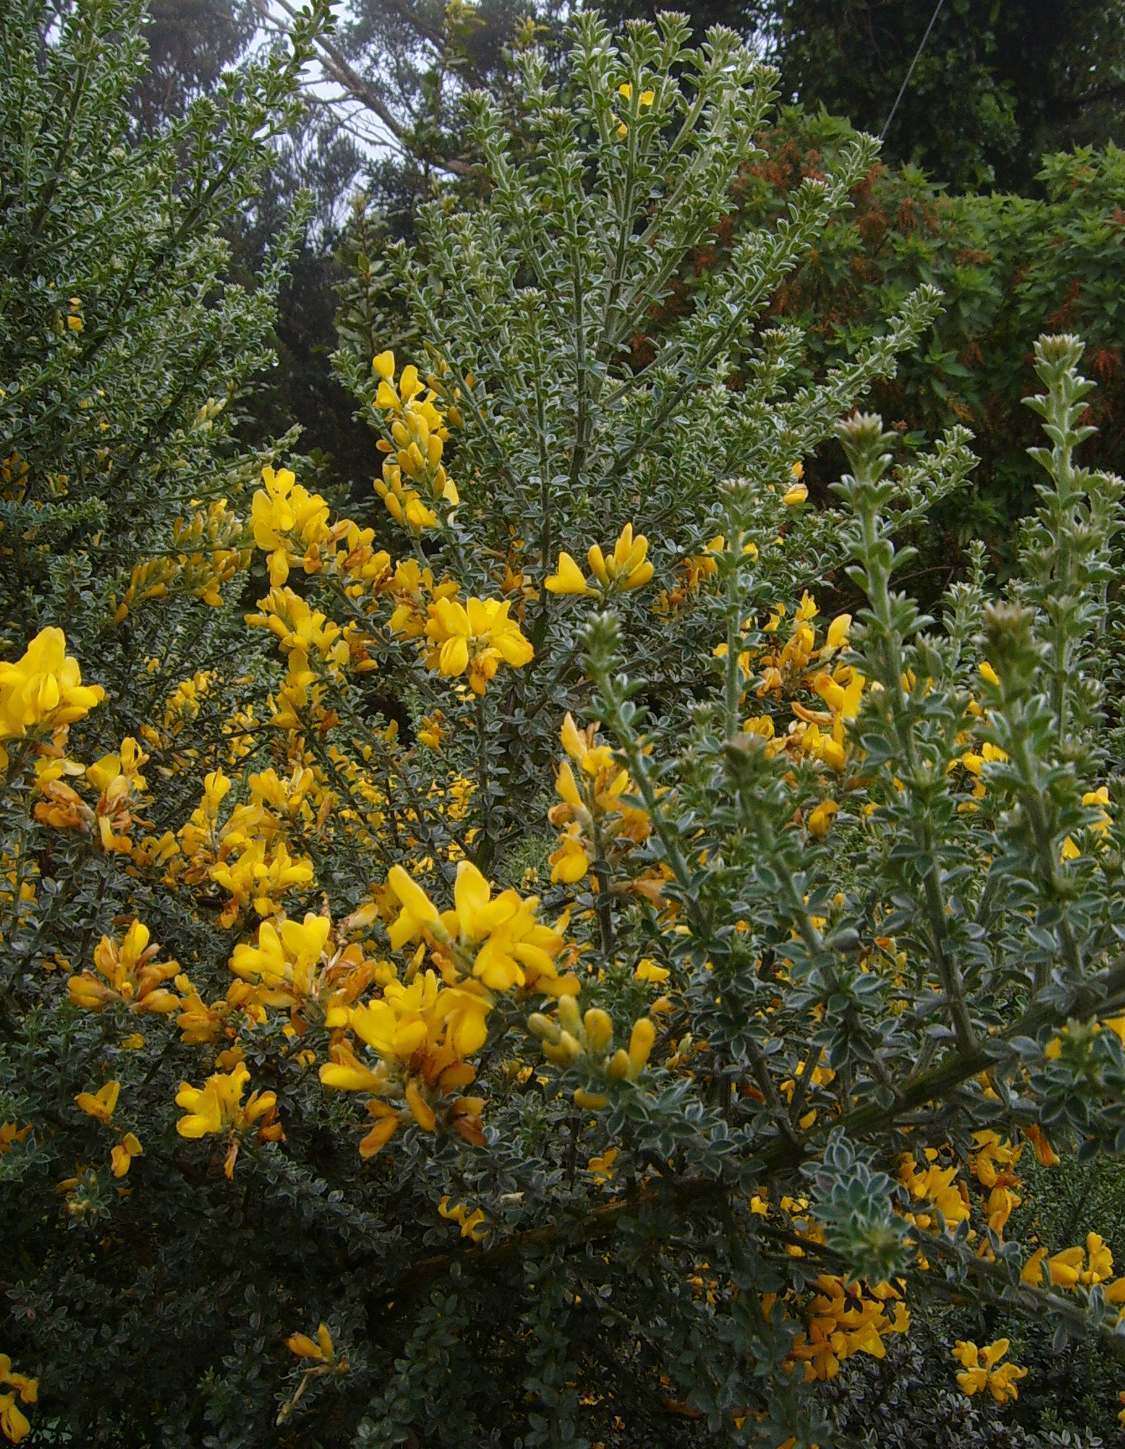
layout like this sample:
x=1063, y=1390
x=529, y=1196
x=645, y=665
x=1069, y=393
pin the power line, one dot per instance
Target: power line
x=910, y=72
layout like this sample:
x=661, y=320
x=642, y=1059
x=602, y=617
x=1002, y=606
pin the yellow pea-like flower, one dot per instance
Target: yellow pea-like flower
x=100, y=1104
x=820, y=819
x=568, y=578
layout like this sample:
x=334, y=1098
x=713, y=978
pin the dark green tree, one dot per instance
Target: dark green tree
x=998, y=84
x=190, y=44
x=124, y=340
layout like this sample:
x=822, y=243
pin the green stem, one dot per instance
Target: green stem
x=487, y=848
x=604, y=904
x=889, y=645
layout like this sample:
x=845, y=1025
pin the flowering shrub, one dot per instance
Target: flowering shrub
x=657, y=995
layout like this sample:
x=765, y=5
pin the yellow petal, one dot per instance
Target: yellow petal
x=567, y=579
x=303, y=1346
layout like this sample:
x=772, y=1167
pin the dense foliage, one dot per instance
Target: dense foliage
x=561, y=950
x=994, y=85
x=1008, y=267
x=123, y=349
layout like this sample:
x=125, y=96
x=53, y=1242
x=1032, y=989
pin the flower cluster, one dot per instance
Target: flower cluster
x=209, y=550
x=595, y=811
x=586, y=1040
x=419, y=430
x=981, y=1369
x=43, y=690
x=127, y=974
x=473, y=639
x=217, y=1109
x=844, y=1319
x=623, y=570
x=421, y=1033
x=288, y=523
x=118, y=787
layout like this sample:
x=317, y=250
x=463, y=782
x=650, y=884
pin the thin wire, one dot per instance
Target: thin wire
x=910, y=72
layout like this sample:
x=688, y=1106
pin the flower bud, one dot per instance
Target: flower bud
x=640, y=1045
x=543, y=1027
x=599, y=1030
x=618, y=1068
x=563, y=1052
x=569, y=1017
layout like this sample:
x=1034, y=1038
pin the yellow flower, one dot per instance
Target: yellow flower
x=626, y=568
x=980, y=1372
x=844, y=1319
x=11, y=1134
x=418, y=914
x=1099, y=825
x=474, y=638
x=1080, y=1266
x=641, y=1040
x=346, y=1073
x=284, y=961
x=648, y=970
x=571, y=1035
x=567, y=579
x=217, y=1107
x=121, y=1158
x=287, y=521
x=260, y=873
x=44, y=688
x=302, y=632
x=820, y=819
x=795, y=495
x=994, y=1159
x=413, y=451
x=597, y=791
x=100, y=1104
x=473, y=1224
x=1001, y=1204
x=602, y=1168
x=509, y=947
x=937, y=1186
x=431, y=730
x=396, y=1026
x=13, y=1421
x=421, y=1032
x=1045, y=1154
x=213, y=1106
x=321, y=1349
x=129, y=975
x=569, y=862
x=645, y=99
x=837, y=635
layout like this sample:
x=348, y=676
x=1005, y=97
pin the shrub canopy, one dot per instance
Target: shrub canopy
x=572, y=949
